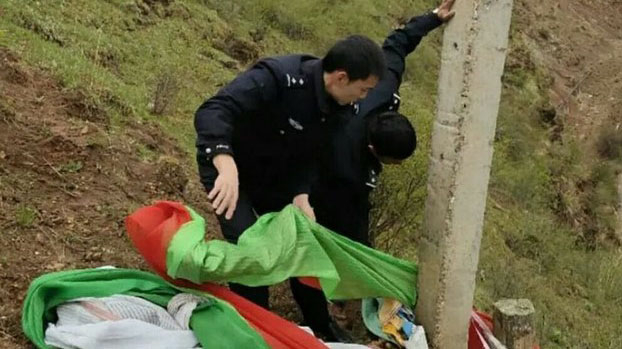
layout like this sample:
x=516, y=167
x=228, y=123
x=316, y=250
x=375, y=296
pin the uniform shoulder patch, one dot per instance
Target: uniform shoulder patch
x=394, y=105
x=356, y=107
x=295, y=81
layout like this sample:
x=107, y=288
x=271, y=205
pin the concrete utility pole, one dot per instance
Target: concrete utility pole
x=474, y=49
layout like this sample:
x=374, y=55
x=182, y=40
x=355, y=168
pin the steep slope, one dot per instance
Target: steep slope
x=67, y=180
x=96, y=103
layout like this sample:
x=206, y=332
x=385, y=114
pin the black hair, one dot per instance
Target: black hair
x=391, y=134
x=358, y=56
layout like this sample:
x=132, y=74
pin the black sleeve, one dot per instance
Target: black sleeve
x=246, y=94
x=305, y=172
x=399, y=44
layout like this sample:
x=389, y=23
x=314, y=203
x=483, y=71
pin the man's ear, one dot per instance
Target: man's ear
x=342, y=76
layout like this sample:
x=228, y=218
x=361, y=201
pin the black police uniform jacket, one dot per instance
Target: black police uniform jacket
x=273, y=119
x=348, y=172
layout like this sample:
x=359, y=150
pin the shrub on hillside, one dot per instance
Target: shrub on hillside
x=609, y=144
x=166, y=90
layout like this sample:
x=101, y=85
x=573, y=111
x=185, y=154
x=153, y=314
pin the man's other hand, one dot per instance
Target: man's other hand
x=444, y=11
x=302, y=202
x=224, y=195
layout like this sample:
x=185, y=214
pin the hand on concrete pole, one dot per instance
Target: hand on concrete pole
x=444, y=10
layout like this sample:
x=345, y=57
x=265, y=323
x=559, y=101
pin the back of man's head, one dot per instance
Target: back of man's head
x=391, y=135
x=358, y=56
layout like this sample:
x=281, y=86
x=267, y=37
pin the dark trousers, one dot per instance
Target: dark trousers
x=311, y=301
x=342, y=211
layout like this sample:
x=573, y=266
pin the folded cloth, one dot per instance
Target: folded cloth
x=90, y=310
x=122, y=334
x=122, y=321
x=181, y=307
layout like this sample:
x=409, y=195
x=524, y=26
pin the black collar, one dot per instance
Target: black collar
x=325, y=102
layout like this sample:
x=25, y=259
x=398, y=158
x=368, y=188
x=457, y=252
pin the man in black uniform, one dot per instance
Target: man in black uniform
x=258, y=136
x=377, y=135
x=359, y=146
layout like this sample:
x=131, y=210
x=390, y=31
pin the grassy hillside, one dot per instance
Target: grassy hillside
x=120, y=52
x=154, y=62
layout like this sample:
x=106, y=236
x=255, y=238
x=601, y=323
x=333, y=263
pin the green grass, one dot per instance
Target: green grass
x=539, y=220
x=72, y=167
x=533, y=247
x=25, y=216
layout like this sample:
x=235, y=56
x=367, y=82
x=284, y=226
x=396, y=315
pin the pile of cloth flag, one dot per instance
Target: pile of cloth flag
x=188, y=298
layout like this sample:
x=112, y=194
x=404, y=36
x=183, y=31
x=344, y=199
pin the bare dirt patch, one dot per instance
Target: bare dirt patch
x=580, y=44
x=67, y=183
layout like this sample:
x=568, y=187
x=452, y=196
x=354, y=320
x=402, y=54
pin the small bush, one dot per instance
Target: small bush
x=72, y=167
x=288, y=25
x=45, y=28
x=107, y=57
x=609, y=144
x=241, y=50
x=83, y=105
x=25, y=216
x=166, y=90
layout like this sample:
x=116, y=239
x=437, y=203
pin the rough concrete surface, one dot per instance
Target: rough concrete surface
x=473, y=56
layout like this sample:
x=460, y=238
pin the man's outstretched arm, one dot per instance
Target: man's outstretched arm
x=403, y=41
x=397, y=46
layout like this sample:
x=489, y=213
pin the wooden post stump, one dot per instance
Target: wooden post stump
x=514, y=323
